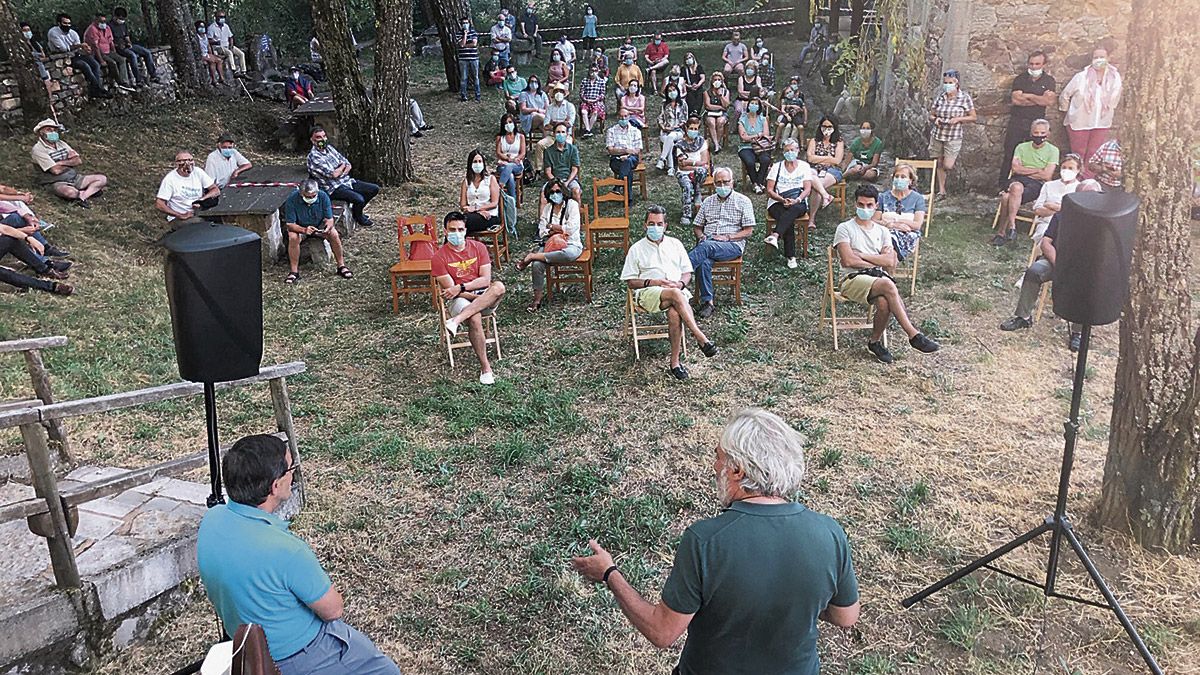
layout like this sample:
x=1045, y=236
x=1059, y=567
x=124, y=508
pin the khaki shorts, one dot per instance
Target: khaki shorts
x=858, y=288
x=77, y=183
x=945, y=149
x=650, y=299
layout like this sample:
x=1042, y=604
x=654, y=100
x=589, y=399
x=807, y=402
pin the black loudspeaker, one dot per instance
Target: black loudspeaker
x=1093, y=252
x=214, y=285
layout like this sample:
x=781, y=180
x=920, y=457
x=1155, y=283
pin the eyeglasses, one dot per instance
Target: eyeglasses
x=185, y=162
x=826, y=126
x=294, y=467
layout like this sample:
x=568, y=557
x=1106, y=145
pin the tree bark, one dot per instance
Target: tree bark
x=152, y=37
x=176, y=28
x=857, y=9
x=803, y=19
x=446, y=15
x=1152, y=474
x=372, y=129
x=835, y=18
x=35, y=100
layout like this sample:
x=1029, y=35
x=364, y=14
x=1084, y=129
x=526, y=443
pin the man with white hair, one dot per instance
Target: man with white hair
x=1033, y=164
x=723, y=224
x=749, y=584
x=308, y=212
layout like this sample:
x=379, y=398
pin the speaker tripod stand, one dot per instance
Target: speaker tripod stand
x=1060, y=528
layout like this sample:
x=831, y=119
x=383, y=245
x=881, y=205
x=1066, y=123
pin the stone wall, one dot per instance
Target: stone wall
x=987, y=41
x=68, y=89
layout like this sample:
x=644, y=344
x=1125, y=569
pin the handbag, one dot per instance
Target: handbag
x=250, y=656
x=555, y=242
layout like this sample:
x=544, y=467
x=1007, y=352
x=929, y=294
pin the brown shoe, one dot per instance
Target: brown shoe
x=52, y=273
x=62, y=289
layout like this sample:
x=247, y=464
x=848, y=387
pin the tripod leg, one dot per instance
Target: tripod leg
x=1112, y=601
x=978, y=563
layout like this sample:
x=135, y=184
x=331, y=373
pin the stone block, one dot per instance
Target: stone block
x=163, y=525
x=144, y=579
x=105, y=554
x=87, y=474
x=29, y=624
x=159, y=504
x=107, y=507
x=132, y=498
x=95, y=526
x=183, y=491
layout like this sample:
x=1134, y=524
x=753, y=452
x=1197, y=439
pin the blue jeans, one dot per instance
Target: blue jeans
x=338, y=649
x=623, y=169
x=358, y=194
x=505, y=172
x=15, y=220
x=703, y=256
x=138, y=53
x=468, y=67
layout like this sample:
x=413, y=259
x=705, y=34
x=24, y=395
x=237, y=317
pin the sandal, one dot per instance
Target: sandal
x=291, y=278
x=533, y=307
x=344, y=272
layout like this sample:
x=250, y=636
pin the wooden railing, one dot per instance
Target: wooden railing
x=31, y=349
x=53, y=513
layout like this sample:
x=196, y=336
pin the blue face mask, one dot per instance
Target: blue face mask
x=227, y=152
x=790, y=155
x=624, y=122
x=948, y=86
x=560, y=138
x=655, y=232
x=456, y=238
x=556, y=197
x=724, y=191
x=864, y=213
x=900, y=183
x=693, y=133
x=52, y=136
x=753, y=107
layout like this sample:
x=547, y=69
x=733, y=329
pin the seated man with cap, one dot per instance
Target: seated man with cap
x=308, y=212
x=58, y=163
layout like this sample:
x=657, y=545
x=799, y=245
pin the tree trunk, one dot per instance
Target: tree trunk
x=857, y=8
x=1152, y=474
x=803, y=19
x=835, y=18
x=446, y=15
x=175, y=25
x=372, y=130
x=152, y=37
x=35, y=100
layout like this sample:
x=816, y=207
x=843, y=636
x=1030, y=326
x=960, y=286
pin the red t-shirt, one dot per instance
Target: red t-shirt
x=657, y=52
x=462, y=266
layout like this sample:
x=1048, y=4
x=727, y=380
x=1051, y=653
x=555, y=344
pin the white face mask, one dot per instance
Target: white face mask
x=477, y=167
x=559, y=97
x=864, y=132
x=633, y=89
x=1069, y=175
x=1035, y=73
x=1099, y=63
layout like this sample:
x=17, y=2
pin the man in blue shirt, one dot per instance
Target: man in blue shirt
x=255, y=571
x=308, y=212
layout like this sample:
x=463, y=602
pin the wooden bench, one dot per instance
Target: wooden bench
x=31, y=349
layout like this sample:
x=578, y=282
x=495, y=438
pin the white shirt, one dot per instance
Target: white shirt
x=567, y=219
x=221, y=168
x=1073, y=97
x=222, y=34
x=1052, y=192
x=180, y=192
x=667, y=259
x=314, y=50
x=478, y=196
x=871, y=240
x=788, y=180
x=501, y=31
x=60, y=42
x=567, y=49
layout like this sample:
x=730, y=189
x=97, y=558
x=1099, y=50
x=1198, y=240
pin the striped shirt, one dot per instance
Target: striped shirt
x=726, y=216
x=471, y=52
x=593, y=90
x=322, y=164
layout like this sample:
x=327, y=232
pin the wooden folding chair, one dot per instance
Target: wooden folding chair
x=491, y=332
x=639, y=172
x=830, y=299
x=639, y=332
x=408, y=276
x=728, y=273
x=578, y=271
x=838, y=192
x=1025, y=213
x=496, y=237
x=608, y=231
x=908, y=269
x=799, y=231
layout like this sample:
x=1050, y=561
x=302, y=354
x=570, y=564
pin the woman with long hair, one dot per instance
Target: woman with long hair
x=510, y=153
x=479, y=196
x=558, y=237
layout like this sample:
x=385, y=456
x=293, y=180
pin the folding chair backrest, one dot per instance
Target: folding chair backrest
x=829, y=253
x=609, y=196
x=921, y=166
x=416, y=233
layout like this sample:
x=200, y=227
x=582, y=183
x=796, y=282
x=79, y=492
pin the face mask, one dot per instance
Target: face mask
x=1035, y=73
x=655, y=232
x=556, y=58
x=691, y=62
x=102, y=25
x=753, y=107
x=560, y=138
x=589, y=12
x=594, y=75
x=1099, y=63
x=477, y=167
x=558, y=98
x=693, y=133
x=120, y=22
x=1038, y=140
x=456, y=238
x=512, y=76
x=624, y=122
x=1069, y=175
x=864, y=213
x=220, y=21
x=309, y=200
x=948, y=87
x=28, y=34
x=533, y=86
x=672, y=95
x=633, y=89
x=67, y=28
x=826, y=131
x=749, y=72
x=52, y=136
x=864, y=132
x=556, y=197
x=466, y=25
x=900, y=183
x=790, y=155
x=227, y=152
x=657, y=41
x=200, y=31
x=296, y=76
x=509, y=127
x=322, y=144
x=724, y=191
x=759, y=43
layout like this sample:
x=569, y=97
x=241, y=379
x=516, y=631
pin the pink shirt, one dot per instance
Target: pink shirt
x=100, y=40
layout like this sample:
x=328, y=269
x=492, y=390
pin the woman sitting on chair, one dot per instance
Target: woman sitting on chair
x=633, y=105
x=902, y=210
x=510, y=153
x=479, y=197
x=825, y=153
x=757, y=144
x=558, y=72
x=558, y=237
x=716, y=110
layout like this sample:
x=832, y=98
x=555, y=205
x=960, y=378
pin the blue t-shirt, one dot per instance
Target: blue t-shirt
x=589, y=25
x=306, y=215
x=255, y=571
x=913, y=201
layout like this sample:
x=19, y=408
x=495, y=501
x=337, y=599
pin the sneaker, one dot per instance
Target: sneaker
x=1016, y=323
x=416, y=134
x=880, y=352
x=923, y=344
x=671, y=172
x=427, y=127
x=792, y=264
x=451, y=327
x=998, y=240
x=685, y=220
x=1073, y=342
x=772, y=241
x=60, y=265
x=487, y=378
x=660, y=165
x=709, y=349
x=679, y=372
x=366, y=222
x=706, y=310
x=53, y=273
x=53, y=251
x=758, y=190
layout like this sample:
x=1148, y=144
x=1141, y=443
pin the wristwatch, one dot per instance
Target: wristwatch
x=462, y=288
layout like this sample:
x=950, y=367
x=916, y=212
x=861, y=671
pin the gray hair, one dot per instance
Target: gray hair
x=655, y=209
x=309, y=185
x=726, y=169
x=768, y=450
x=1040, y=122
x=790, y=141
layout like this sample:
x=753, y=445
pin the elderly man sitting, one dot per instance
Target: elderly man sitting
x=462, y=268
x=186, y=190
x=255, y=571
x=724, y=222
x=657, y=270
x=1033, y=164
x=748, y=585
x=865, y=251
x=308, y=212
x=59, y=163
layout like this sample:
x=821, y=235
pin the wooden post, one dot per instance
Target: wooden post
x=45, y=484
x=41, y=386
x=281, y=401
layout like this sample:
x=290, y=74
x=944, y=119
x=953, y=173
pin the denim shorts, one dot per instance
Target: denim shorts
x=338, y=649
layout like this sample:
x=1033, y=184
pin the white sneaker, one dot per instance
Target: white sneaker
x=792, y=264
x=452, y=327
x=772, y=241
x=671, y=171
x=487, y=378
x=685, y=220
x=660, y=165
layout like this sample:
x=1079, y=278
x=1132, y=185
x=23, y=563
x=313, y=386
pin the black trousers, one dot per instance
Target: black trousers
x=785, y=224
x=477, y=222
x=22, y=252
